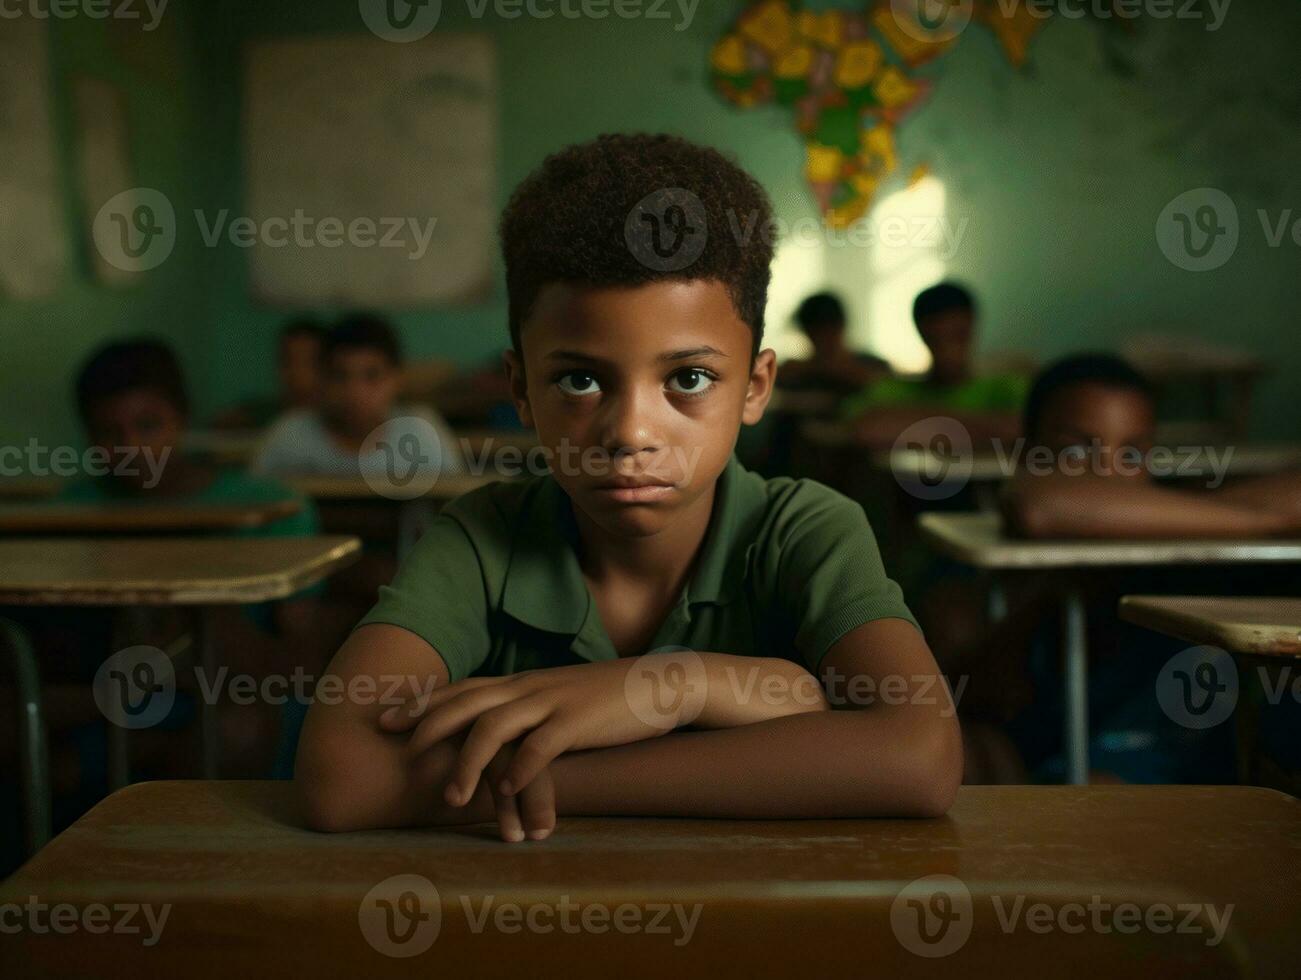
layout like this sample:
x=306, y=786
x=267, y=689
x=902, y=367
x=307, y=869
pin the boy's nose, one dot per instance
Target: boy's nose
x=631, y=423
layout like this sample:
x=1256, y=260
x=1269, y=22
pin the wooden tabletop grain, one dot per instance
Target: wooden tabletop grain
x=1014, y=882
x=137, y=517
x=1263, y=626
x=166, y=571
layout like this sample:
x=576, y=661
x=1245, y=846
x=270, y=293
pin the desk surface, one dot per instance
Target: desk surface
x=165, y=571
x=252, y=894
x=445, y=488
x=1264, y=626
x=56, y=518
x=979, y=540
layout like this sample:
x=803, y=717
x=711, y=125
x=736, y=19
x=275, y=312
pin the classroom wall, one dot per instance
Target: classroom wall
x=1059, y=174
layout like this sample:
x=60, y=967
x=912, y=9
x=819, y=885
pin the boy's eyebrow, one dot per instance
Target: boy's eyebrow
x=676, y=355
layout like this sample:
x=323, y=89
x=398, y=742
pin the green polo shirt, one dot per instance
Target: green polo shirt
x=787, y=568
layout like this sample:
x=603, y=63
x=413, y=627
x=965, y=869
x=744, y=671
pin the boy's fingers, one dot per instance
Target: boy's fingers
x=455, y=715
x=537, y=806
x=490, y=733
x=509, y=824
x=407, y=714
x=535, y=753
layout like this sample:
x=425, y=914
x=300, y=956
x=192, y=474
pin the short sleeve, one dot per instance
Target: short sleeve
x=440, y=594
x=830, y=573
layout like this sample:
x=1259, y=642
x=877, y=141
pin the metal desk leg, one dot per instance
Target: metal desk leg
x=32, y=741
x=206, y=648
x=1076, y=669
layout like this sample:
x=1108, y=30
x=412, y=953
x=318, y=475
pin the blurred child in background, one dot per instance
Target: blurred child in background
x=298, y=376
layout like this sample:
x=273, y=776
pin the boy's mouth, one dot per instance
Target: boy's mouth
x=634, y=490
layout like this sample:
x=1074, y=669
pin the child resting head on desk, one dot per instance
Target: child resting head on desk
x=1091, y=419
x=522, y=614
x=359, y=424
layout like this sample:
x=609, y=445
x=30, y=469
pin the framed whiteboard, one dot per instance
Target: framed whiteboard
x=371, y=171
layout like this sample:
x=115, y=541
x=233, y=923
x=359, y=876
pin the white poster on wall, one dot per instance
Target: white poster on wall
x=34, y=251
x=371, y=171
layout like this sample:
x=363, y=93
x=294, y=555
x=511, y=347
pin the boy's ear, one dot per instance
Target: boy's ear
x=763, y=373
x=519, y=393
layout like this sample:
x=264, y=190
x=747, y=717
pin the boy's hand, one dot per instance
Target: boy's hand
x=550, y=712
x=529, y=813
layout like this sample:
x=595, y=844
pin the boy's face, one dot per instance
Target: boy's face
x=1102, y=420
x=948, y=335
x=300, y=370
x=136, y=428
x=639, y=393
x=361, y=386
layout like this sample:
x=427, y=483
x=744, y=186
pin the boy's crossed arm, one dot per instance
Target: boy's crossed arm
x=585, y=740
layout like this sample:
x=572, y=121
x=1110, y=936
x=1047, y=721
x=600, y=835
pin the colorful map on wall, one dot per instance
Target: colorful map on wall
x=850, y=77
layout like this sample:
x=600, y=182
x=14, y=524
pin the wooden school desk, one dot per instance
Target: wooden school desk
x=1032, y=882
x=978, y=540
x=24, y=488
x=196, y=573
x=136, y=518
x=1262, y=627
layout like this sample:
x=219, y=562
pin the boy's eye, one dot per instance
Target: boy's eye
x=691, y=381
x=578, y=383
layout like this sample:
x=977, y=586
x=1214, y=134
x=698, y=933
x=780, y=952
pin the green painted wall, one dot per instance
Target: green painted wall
x=1060, y=175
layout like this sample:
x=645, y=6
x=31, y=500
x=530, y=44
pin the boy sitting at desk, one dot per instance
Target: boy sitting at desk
x=834, y=367
x=359, y=427
x=987, y=406
x=529, y=605
x=134, y=404
x=1096, y=417
x=298, y=377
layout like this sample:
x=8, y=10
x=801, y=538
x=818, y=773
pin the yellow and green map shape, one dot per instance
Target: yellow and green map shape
x=850, y=77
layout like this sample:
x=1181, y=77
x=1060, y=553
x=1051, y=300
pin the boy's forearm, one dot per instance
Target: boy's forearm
x=813, y=765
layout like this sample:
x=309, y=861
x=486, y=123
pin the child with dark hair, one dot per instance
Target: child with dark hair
x=298, y=376
x=552, y=616
x=833, y=366
x=1095, y=415
x=987, y=406
x=135, y=406
x=359, y=418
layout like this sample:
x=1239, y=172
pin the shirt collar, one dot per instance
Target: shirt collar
x=544, y=583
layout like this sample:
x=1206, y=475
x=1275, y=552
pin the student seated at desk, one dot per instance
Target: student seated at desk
x=298, y=374
x=833, y=367
x=134, y=403
x=1095, y=416
x=988, y=406
x=362, y=361
x=528, y=605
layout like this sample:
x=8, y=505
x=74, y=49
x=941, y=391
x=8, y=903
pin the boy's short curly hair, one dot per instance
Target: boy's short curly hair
x=569, y=221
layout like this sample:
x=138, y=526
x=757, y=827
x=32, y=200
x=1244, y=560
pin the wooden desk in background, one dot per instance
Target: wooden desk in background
x=1019, y=872
x=978, y=540
x=24, y=488
x=138, y=518
x=130, y=572
x=1262, y=627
